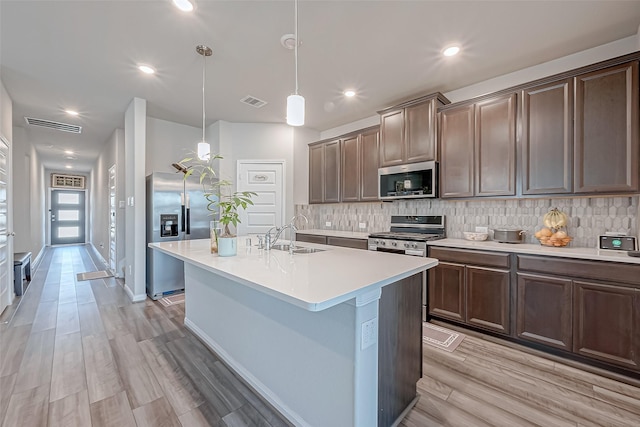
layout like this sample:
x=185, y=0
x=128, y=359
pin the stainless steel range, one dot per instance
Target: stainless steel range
x=409, y=235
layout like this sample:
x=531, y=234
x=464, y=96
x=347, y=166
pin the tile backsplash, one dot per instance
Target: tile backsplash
x=588, y=216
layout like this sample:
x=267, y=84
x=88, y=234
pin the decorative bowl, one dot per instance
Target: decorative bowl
x=470, y=235
x=554, y=241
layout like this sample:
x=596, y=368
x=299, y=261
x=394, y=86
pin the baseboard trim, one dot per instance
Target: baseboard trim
x=246, y=376
x=133, y=297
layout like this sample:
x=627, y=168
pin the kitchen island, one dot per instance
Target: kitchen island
x=331, y=338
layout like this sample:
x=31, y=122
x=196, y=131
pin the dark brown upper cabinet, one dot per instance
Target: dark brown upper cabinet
x=606, y=130
x=456, y=151
x=359, y=178
x=495, y=146
x=408, y=131
x=478, y=148
x=324, y=172
x=547, y=138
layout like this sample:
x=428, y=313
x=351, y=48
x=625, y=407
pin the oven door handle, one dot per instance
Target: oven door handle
x=414, y=252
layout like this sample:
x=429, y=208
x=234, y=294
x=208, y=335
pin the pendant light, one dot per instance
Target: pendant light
x=204, y=149
x=295, y=102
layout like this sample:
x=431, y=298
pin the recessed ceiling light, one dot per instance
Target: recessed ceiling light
x=146, y=69
x=71, y=112
x=451, y=51
x=349, y=93
x=183, y=5
x=68, y=152
x=68, y=166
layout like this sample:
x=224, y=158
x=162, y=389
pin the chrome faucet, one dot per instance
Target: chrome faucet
x=293, y=230
x=270, y=240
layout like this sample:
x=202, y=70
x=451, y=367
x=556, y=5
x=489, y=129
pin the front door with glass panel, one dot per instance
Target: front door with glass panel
x=67, y=217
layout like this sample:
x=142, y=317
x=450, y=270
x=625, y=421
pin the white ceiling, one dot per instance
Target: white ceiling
x=82, y=55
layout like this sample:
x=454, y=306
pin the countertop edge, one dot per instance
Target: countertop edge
x=533, y=249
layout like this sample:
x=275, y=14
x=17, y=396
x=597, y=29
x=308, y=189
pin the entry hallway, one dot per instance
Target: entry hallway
x=81, y=354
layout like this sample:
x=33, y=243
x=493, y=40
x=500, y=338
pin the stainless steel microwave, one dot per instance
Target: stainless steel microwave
x=412, y=181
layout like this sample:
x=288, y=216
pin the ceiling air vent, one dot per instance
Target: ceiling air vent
x=253, y=101
x=53, y=125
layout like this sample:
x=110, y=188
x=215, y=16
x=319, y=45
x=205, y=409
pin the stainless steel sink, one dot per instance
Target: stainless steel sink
x=297, y=250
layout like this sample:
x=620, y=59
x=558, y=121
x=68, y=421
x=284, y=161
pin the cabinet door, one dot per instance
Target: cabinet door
x=369, y=145
x=392, y=138
x=456, y=152
x=420, y=128
x=350, y=181
x=487, y=299
x=446, y=291
x=544, y=310
x=547, y=138
x=332, y=172
x=607, y=323
x=316, y=173
x=495, y=147
x=606, y=130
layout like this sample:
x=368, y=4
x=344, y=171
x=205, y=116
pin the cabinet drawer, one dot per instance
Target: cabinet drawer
x=346, y=242
x=598, y=270
x=462, y=256
x=311, y=238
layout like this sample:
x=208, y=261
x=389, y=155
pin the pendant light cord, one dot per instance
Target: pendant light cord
x=204, y=74
x=295, y=30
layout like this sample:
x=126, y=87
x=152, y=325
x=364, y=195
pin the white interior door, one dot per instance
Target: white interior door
x=6, y=256
x=266, y=179
x=112, y=219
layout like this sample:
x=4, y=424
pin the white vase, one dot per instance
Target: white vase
x=227, y=246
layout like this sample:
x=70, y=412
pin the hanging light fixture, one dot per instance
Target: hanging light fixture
x=295, y=102
x=204, y=149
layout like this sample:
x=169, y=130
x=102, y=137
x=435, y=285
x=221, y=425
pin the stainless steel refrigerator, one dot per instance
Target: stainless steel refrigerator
x=176, y=210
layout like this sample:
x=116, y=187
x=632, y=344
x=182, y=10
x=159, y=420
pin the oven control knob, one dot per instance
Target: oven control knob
x=394, y=244
x=407, y=245
x=414, y=246
x=382, y=243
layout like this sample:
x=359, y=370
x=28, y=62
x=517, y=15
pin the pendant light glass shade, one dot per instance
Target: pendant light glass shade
x=204, y=150
x=295, y=110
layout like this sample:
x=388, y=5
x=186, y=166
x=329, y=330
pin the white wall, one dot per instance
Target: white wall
x=167, y=143
x=99, y=222
x=134, y=149
x=29, y=184
x=257, y=141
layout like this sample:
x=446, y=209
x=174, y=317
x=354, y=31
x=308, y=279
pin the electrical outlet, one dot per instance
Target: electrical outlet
x=327, y=224
x=362, y=225
x=482, y=229
x=369, y=333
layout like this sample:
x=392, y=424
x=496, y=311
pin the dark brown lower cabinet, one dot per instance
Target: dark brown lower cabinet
x=477, y=295
x=345, y=242
x=544, y=310
x=607, y=323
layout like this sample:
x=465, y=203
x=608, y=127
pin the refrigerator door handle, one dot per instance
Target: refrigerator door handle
x=182, y=218
x=188, y=221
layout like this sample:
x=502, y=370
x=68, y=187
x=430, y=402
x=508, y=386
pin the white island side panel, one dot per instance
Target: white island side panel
x=302, y=362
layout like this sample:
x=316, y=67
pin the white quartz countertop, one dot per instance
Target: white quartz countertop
x=314, y=281
x=337, y=233
x=536, y=249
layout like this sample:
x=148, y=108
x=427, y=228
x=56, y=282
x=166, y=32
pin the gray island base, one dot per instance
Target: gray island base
x=331, y=338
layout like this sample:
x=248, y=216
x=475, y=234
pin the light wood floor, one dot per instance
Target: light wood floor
x=482, y=383
x=81, y=354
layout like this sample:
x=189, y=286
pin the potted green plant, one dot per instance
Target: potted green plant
x=222, y=202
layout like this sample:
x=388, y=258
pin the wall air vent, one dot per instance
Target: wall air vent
x=67, y=181
x=253, y=101
x=65, y=127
